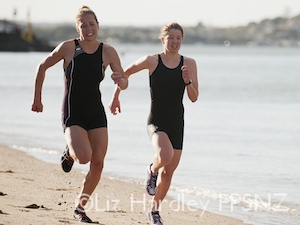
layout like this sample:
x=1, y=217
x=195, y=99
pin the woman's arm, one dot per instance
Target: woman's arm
x=189, y=75
x=54, y=57
x=112, y=59
x=140, y=64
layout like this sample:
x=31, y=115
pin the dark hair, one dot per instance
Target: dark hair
x=164, y=31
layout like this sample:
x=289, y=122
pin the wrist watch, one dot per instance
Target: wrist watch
x=186, y=84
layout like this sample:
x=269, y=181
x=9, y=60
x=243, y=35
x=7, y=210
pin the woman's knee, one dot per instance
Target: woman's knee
x=97, y=167
x=84, y=160
x=166, y=156
x=165, y=160
x=83, y=157
x=167, y=174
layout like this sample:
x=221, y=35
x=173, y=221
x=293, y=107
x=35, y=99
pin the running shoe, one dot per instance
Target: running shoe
x=151, y=182
x=154, y=217
x=66, y=161
x=79, y=214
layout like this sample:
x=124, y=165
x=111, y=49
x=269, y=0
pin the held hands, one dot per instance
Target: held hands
x=120, y=80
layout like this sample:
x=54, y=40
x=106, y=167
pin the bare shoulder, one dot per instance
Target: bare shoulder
x=151, y=62
x=189, y=61
x=108, y=49
x=110, y=55
x=150, y=59
x=64, y=48
x=153, y=57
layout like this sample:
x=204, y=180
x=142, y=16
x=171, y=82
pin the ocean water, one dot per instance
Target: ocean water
x=242, y=137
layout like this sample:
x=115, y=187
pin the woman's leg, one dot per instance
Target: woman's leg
x=165, y=162
x=164, y=180
x=163, y=149
x=88, y=146
x=79, y=144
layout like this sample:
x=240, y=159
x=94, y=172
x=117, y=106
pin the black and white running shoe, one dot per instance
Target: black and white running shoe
x=66, y=161
x=151, y=182
x=154, y=217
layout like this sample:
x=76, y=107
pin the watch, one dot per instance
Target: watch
x=188, y=83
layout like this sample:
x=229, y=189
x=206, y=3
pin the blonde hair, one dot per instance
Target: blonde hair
x=165, y=30
x=85, y=10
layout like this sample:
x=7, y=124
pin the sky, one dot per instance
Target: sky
x=215, y=13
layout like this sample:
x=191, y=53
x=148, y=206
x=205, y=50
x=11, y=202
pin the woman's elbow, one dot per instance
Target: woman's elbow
x=194, y=99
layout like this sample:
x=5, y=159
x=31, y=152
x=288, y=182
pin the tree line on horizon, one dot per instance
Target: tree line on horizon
x=279, y=31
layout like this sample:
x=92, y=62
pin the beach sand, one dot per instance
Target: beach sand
x=36, y=192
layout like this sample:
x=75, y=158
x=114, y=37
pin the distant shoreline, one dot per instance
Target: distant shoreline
x=278, y=31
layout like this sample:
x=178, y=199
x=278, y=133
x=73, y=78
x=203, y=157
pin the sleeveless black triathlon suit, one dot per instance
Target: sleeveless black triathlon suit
x=82, y=103
x=167, y=111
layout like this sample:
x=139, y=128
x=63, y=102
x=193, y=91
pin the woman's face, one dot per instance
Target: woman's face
x=87, y=27
x=172, y=41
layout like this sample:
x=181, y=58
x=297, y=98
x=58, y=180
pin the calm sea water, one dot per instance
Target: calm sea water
x=242, y=137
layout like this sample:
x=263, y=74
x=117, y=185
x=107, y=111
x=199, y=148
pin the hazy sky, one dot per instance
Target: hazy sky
x=222, y=13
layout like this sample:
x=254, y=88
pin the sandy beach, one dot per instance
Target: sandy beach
x=37, y=192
